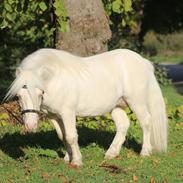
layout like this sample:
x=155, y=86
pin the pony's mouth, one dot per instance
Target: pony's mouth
x=30, y=128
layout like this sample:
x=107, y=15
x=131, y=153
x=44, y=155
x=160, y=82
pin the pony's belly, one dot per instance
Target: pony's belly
x=95, y=109
x=98, y=102
x=92, y=112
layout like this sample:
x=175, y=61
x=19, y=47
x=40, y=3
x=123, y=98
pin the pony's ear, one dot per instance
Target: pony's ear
x=45, y=73
x=18, y=71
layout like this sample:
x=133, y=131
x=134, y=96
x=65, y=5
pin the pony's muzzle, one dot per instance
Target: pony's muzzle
x=30, y=129
x=30, y=122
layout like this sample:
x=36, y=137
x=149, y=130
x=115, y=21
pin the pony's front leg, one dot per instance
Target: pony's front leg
x=122, y=124
x=60, y=132
x=71, y=136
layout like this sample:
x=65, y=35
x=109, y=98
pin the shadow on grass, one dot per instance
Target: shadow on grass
x=13, y=144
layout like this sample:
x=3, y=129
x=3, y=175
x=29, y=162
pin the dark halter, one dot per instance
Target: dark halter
x=29, y=110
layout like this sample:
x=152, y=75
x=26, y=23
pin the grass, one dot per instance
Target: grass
x=38, y=157
x=167, y=59
x=173, y=99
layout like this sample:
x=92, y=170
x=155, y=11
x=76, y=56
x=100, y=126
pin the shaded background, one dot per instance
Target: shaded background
x=153, y=28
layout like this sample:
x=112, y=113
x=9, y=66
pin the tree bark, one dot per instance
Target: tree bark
x=89, y=30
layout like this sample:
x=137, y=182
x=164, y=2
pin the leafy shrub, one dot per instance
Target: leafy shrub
x=130, y=42
x=26, y=26
x=175, y=113
x=105, y=123
x=4, y=119
x=174, y=41
x=124, y=20
x=160, y=44
x=151, y=43
x=162, y=75
x=124, y=15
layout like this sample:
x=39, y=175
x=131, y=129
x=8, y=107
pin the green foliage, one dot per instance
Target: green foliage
x=62, y=16
x=151, y=43
x=175, y=113
x=175, y=59
x=4, y=118
x=173, y=99
x=33, y=21
x=162, y=75
x=125, y=19
x=163, y=44
x=28, y=20
x=43, y=6
x=103, y=122
x=123, y=10
x=45, y=126
x=26, y=26
x=119, y=6
x=127, y=42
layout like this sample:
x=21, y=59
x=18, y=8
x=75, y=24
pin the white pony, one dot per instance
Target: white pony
x=67, y=86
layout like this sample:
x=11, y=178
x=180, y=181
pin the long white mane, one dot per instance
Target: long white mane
x=39, y=66
x=28, y=78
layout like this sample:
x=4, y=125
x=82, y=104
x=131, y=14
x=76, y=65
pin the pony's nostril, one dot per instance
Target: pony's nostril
x=30, y=127
x=26, y=127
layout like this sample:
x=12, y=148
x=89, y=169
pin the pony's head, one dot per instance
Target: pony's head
x=30, y=106
x=27, y=88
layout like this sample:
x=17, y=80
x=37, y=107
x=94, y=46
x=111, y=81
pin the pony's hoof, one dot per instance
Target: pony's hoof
x=77, y=162
x=145, y=153
x=110, y=156
x=111, y=153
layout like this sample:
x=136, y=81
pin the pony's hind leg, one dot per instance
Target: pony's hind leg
x=141, y=110
x=60, y=134
x=122, y=124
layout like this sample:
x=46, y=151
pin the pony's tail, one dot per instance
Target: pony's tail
x=159, y=123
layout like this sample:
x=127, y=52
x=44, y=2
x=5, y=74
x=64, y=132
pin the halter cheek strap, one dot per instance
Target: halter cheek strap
x=30, y=110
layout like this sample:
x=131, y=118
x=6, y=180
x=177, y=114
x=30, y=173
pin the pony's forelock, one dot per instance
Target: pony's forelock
x=15, y=87
x=28, y=78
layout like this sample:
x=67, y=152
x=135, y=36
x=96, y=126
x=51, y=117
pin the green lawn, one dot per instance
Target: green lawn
x=167, y=59
x=38, y=157
x=172, y=98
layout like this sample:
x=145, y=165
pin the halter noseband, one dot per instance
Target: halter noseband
x=30, y=110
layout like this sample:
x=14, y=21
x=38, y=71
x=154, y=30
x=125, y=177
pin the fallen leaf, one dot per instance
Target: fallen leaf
x=62, y=178
x=152, y=180
x=70, y=165
x=112, y=168
x=11, y=180
x=173, y=154
x=165, y=181
x=45, y=176
x=135, y=178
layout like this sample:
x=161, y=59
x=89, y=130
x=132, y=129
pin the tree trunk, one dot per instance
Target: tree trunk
x=89, y=28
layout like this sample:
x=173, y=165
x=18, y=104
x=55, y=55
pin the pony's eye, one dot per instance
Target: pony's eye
x=16, y=97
